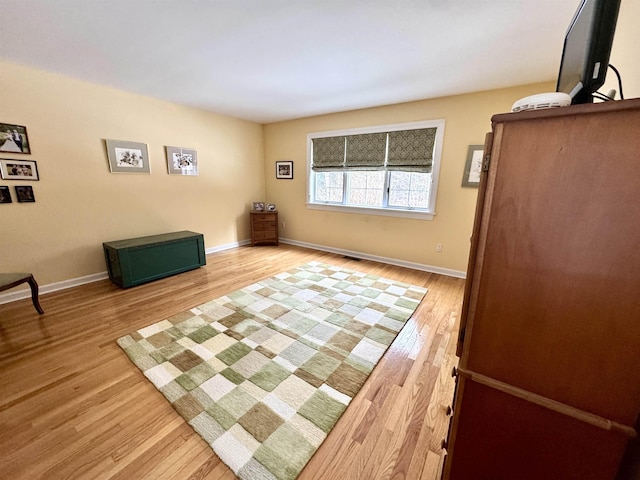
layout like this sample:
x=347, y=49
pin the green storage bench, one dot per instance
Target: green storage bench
x=140, y=260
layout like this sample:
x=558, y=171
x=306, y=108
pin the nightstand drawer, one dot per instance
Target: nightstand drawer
x=259, y=236
x=260, y=226
x=265, y=217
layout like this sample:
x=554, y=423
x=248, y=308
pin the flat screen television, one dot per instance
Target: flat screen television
x=587, y=47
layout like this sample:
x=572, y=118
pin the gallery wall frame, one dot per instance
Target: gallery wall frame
x=18, y=169
x=284, y=169
x=5, y=194
x=14, y=139
x=24, y=193
x=182, y=161
x=473, y=166
x=127, y=157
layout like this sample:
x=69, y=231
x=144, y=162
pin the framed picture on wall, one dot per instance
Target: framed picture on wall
x=5, y=194
x=182, y=161
x=18, y=169
x=473, y=166
x=284, y=169
x=13, y=138
x=25, y=194
x=127, y=157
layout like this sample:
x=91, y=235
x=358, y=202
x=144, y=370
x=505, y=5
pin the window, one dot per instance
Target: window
x=386, y=170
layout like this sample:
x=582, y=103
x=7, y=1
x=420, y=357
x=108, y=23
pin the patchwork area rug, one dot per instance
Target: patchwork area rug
x=264, y=373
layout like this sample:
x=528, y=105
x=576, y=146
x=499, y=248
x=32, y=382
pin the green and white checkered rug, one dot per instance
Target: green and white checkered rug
x=264, y=373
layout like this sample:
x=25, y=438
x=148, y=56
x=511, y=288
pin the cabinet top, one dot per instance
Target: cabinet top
x=587, y=108
x=262, y=212
x=152, y=239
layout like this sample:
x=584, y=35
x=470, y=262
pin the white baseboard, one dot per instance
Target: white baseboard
x=220, y=248
x=74, y=282
x=391, y=261
x=52, y=287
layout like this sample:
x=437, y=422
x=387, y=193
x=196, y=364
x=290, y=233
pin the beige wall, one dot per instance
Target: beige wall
x=468, y=118
x=624, y=53
x=80, y=204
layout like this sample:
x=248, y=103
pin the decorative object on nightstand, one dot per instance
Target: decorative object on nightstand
x=258, y=206
x=264, y=227
x=271, y=207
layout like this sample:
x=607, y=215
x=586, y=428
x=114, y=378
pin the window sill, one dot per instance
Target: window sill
x=384, y=212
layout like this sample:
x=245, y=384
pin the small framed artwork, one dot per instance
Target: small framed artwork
x=18, y=169
x=5, y=195
x=182, y=161
x=13, y=139
x=25, y=194
x=258, y=206
x=127, y=157
x=473, y=166
x=284, y=169
x=271, y=207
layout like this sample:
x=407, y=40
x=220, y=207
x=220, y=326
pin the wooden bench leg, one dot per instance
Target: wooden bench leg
x=34, y=294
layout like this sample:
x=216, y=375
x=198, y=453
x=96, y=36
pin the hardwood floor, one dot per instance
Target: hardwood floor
x=72, y=405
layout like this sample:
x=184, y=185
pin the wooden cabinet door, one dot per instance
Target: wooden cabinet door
x=554, y=305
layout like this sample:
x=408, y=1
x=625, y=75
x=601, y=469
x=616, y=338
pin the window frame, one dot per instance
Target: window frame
x=416, y=213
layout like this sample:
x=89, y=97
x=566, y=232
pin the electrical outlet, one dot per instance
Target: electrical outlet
x=439, y=247
x=283, y=225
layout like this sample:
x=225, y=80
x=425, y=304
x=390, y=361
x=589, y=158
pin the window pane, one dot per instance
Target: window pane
x=409, y=189
x=329, y=187
x=358, y=180
x=398, y=197
x=365, y=188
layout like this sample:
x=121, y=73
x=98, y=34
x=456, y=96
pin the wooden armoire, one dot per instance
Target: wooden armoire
x=548, y=383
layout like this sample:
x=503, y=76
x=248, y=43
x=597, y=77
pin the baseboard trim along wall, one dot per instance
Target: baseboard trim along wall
x=95, y=277
x=390, y=261
x=52, y=287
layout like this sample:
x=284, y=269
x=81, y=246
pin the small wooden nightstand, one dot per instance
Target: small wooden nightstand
x=264, y=228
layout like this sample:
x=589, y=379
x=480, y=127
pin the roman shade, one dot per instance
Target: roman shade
x=366, y=152
x=402, y=150
x=328, y=154
x=411, y=150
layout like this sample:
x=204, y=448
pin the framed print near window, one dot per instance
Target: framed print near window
x=13, y=138
x=473, y=167
x=182, y=161
x=127, y=157
x=5, y=195
x=18, y=169
x=25, y=194
x=284, y=169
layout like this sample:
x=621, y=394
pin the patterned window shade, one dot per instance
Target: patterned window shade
x=328, y=154
x=366, y=152
x=411, y=150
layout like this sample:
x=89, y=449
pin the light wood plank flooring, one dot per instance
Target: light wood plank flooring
x=73, y=406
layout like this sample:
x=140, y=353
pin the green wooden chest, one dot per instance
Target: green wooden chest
x=135, y=261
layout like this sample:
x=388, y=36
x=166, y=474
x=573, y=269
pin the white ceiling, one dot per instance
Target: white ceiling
x=271, y=60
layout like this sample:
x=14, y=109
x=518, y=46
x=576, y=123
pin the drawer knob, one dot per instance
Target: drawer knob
x=449, y=410
x=444, y=444
x=454, y=372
